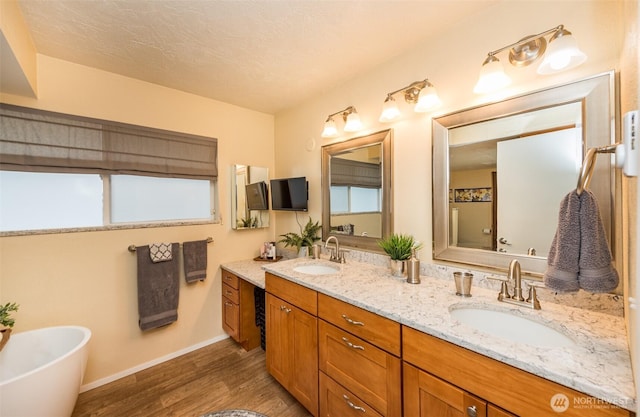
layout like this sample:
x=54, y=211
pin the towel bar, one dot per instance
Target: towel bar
x=132, y=248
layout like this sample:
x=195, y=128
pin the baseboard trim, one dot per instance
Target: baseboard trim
x=143, y=366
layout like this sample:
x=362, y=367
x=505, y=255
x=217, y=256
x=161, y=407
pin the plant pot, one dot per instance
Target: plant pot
x=398, y=268
x=303, y=252
x=6, y=334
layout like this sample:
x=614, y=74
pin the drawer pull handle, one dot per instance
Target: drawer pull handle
x=285, y=309
x=228, y=304
x=229, y=292
x=351, y=345
x=472, y=411
x=350, y=321
x=352, y=405
x=227, y=277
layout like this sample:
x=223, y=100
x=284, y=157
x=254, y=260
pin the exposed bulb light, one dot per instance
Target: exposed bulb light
x=492, y=76
x=562, y=54
x=390, y=110
x=421, y=93
x=428, y=99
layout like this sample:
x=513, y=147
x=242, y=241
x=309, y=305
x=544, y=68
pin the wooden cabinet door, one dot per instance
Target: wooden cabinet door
x=231, y=318
x=277, y=339
x=292, y=350
x=428, y=396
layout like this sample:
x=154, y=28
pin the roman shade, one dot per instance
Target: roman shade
x=40, y=141
x=347, y=172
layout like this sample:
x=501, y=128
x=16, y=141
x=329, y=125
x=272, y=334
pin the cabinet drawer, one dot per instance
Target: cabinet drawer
x=293, y=293
x=512, y=389
x=380, y=331
x=230, y=279
x=367, y=371
x=336, y=401
x=230, y=293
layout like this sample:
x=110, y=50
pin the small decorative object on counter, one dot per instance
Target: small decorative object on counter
x=307, y=237
x=413, y=268
x=398, y=247
x=463, y=283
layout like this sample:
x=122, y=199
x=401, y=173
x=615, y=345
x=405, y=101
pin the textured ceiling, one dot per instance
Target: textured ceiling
x=262, y=55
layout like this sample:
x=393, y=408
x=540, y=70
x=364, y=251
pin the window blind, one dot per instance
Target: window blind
x=355, y=173
x=40, y=141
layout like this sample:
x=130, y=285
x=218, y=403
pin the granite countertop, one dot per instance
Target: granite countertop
x=598, y=364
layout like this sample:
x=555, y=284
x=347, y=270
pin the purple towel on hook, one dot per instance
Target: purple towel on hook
x=563, y=259
x=597, y=273
x=194, y=255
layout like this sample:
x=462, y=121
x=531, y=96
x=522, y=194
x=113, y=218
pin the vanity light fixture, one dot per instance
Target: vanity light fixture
x=350, y=117
x=421, y=93
x=563, y=54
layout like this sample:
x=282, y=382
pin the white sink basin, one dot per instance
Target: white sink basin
x=511, y=327
x=316, y=269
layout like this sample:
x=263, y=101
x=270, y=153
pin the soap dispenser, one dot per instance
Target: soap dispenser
x=413, y=268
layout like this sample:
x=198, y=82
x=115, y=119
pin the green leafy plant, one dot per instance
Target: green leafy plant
x=250, y=222
x=5, y=314
x=307, y=237
x=398, y=246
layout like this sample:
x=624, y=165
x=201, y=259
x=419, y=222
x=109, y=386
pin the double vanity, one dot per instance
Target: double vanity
x=349, y=338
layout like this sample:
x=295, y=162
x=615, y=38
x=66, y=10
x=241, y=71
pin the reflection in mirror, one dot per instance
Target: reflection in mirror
x=356, y=190
x=501, y=170
x=249, y=197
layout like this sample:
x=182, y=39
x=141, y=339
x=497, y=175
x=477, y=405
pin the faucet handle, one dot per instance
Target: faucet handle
x=532, y=299
x=504, y=289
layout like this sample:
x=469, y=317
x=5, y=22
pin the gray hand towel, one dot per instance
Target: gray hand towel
x=158, y=289
x=194, y=255
x=563, y=259
x=597, y=273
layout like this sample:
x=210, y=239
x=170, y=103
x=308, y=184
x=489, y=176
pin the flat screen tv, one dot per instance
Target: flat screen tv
x=289, y=194
x=257, y=196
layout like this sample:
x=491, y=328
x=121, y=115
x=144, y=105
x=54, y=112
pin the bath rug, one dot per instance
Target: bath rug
x=234, y=413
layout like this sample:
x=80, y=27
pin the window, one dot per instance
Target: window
x=349, y=199
x=63, y=171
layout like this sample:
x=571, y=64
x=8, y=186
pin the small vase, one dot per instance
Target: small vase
x=6, y=334
x=303, y=252
x=398, y=268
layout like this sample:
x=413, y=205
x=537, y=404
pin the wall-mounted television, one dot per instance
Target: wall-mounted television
x=257, y=196
x=289, y=194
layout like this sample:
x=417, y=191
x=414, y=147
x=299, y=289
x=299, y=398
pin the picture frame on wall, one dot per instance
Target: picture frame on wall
x=473, y=195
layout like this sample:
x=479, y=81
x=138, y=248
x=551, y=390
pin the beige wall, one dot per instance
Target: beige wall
x=89, y=278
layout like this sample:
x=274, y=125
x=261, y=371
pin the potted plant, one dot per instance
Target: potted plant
x=6, y=322
x=398, y=247
x=307, y=237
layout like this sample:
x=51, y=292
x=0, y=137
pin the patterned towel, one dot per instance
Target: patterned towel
x=160, y=252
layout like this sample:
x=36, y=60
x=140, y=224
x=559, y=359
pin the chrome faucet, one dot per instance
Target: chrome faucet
x=514, y=275
x=336, y=254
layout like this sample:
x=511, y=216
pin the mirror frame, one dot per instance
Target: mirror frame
x=385, y=139
x=597, y=95
x=234, y=198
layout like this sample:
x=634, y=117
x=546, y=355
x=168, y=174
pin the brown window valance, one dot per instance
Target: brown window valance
x=40, y=141
x=355, y=173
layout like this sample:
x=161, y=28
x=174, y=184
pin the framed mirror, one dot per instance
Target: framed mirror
x=501, y=170
x=249, y=197
x=356, y=190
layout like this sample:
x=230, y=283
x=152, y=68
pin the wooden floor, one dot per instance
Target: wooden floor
x=221, y=376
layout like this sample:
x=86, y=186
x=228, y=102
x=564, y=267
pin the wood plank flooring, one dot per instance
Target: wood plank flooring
x=217, y=377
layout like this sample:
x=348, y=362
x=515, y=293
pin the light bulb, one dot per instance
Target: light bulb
x=353, y=123
x=390, y=110
x=330, y=129
x=562, y=54
x=427, y=100
x=492, y=76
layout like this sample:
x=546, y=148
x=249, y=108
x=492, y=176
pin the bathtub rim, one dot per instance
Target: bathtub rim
x=85, y=340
